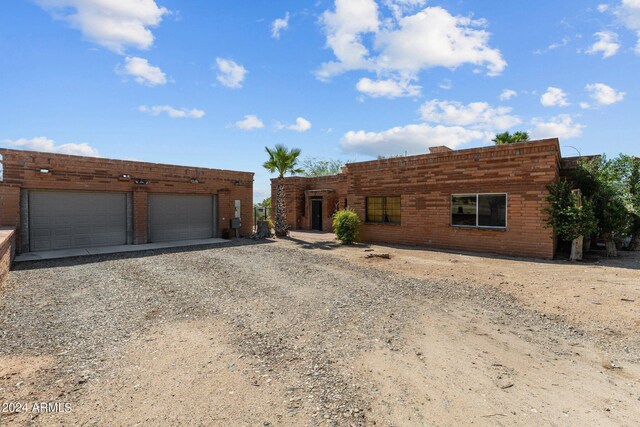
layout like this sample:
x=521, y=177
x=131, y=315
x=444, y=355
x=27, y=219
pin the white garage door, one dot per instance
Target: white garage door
x=69, y=219
x=181, y=217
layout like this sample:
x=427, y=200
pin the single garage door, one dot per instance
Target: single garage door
x=181, y=217
x=68, y=219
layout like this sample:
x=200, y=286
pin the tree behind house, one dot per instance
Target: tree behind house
x=507, y=138
x=318, y=167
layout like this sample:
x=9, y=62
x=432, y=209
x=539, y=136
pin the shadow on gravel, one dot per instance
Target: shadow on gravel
x=91, y=259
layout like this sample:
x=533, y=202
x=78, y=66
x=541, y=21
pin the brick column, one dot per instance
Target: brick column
x=140, y=217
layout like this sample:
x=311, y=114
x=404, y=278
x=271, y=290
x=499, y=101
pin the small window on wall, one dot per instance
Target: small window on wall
x=385, y=210
x=479, y=210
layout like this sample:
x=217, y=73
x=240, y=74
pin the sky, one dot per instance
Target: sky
x=211, y=83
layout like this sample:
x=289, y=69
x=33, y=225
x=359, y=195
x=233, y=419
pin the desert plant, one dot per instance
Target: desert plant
x=283, y=161
x=346, y=224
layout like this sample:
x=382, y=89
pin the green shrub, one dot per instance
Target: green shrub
x=346, y=224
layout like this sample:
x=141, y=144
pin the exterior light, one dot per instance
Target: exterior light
x=195, y=181
x=141, y=181
x=45, y=171
x=125, y=176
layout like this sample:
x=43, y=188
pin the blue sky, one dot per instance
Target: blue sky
x=211, y=83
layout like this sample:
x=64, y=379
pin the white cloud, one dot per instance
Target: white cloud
x=230, y=74
x=561, y=126
x=553, y=46
x=401, y=7
x=414, y=139
x=250, y=122
x=387, y=88
x=174, y=113
x=433, y=38
x=554, y=97
x=603, y=8
x=114, y=24
x=629, y=13
x=603, y=94
x=476, y=115
x=507, y=94
x=446, y=84
x=301, y=125
x=279, y=25
x=42, y=143
x=607, y=44
x=142, y=72
x=404, y=45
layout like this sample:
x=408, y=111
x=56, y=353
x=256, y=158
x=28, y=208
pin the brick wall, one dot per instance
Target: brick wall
x=7, y=250
x=425, y=184
x=22, y=171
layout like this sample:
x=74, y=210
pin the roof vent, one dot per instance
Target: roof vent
x=439, y=149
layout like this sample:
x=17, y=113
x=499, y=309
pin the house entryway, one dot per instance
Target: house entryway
x=316, y=214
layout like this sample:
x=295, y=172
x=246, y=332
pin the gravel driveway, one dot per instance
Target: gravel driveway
x=279, y=334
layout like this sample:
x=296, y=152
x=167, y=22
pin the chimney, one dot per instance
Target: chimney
x=439, y=149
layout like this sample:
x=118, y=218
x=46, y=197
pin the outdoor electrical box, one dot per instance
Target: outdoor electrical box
x=236, y=223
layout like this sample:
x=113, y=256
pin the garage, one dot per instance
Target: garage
x=181, y=217
x=68, y=219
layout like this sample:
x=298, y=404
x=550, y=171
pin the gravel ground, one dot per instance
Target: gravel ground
x=278, y=334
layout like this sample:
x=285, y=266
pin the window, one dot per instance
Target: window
x=479, y=210
x=383, y=209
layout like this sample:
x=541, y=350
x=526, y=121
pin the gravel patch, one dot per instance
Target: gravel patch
x=297, y=316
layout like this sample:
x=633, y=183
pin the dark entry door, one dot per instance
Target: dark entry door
x=316, y=215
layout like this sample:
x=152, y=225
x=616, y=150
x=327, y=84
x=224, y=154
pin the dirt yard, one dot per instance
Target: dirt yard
x=305, y=332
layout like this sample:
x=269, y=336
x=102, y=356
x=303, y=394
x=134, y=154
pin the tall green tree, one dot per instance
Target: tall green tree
x=569, y=215
x=282, y=161
x=628, y=168
x=602, y=182
x=507, y=138
x=318, y=167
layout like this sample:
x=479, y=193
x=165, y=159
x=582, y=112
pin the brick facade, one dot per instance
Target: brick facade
x=21, y=170
x=425, y=184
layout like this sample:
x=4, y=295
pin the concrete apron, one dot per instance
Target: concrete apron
x=68, y=253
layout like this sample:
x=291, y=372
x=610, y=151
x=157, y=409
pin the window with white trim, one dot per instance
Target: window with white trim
x=479, y=210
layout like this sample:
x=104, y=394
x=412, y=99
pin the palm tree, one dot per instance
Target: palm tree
x=507, y=138
x=283, y=161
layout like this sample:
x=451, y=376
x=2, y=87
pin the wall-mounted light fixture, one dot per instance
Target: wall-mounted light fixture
x=125, y=177
x=45, y=171
x=141, y=181
x=237, y=182
x=195, y=181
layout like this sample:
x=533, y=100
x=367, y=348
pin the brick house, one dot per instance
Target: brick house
x=58, y=201
x=486, y=199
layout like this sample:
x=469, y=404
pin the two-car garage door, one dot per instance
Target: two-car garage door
x=82, y=219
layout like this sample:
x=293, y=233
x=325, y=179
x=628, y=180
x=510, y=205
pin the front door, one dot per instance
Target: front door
x=316, y=215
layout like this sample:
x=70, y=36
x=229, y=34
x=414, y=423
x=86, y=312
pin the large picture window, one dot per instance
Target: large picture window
x=383, y=209
x=479, y=210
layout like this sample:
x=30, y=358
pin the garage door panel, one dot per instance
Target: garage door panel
x=67, y=219
x=180, y=217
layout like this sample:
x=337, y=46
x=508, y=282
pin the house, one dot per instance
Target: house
x=488, y=199
x=57, y=201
